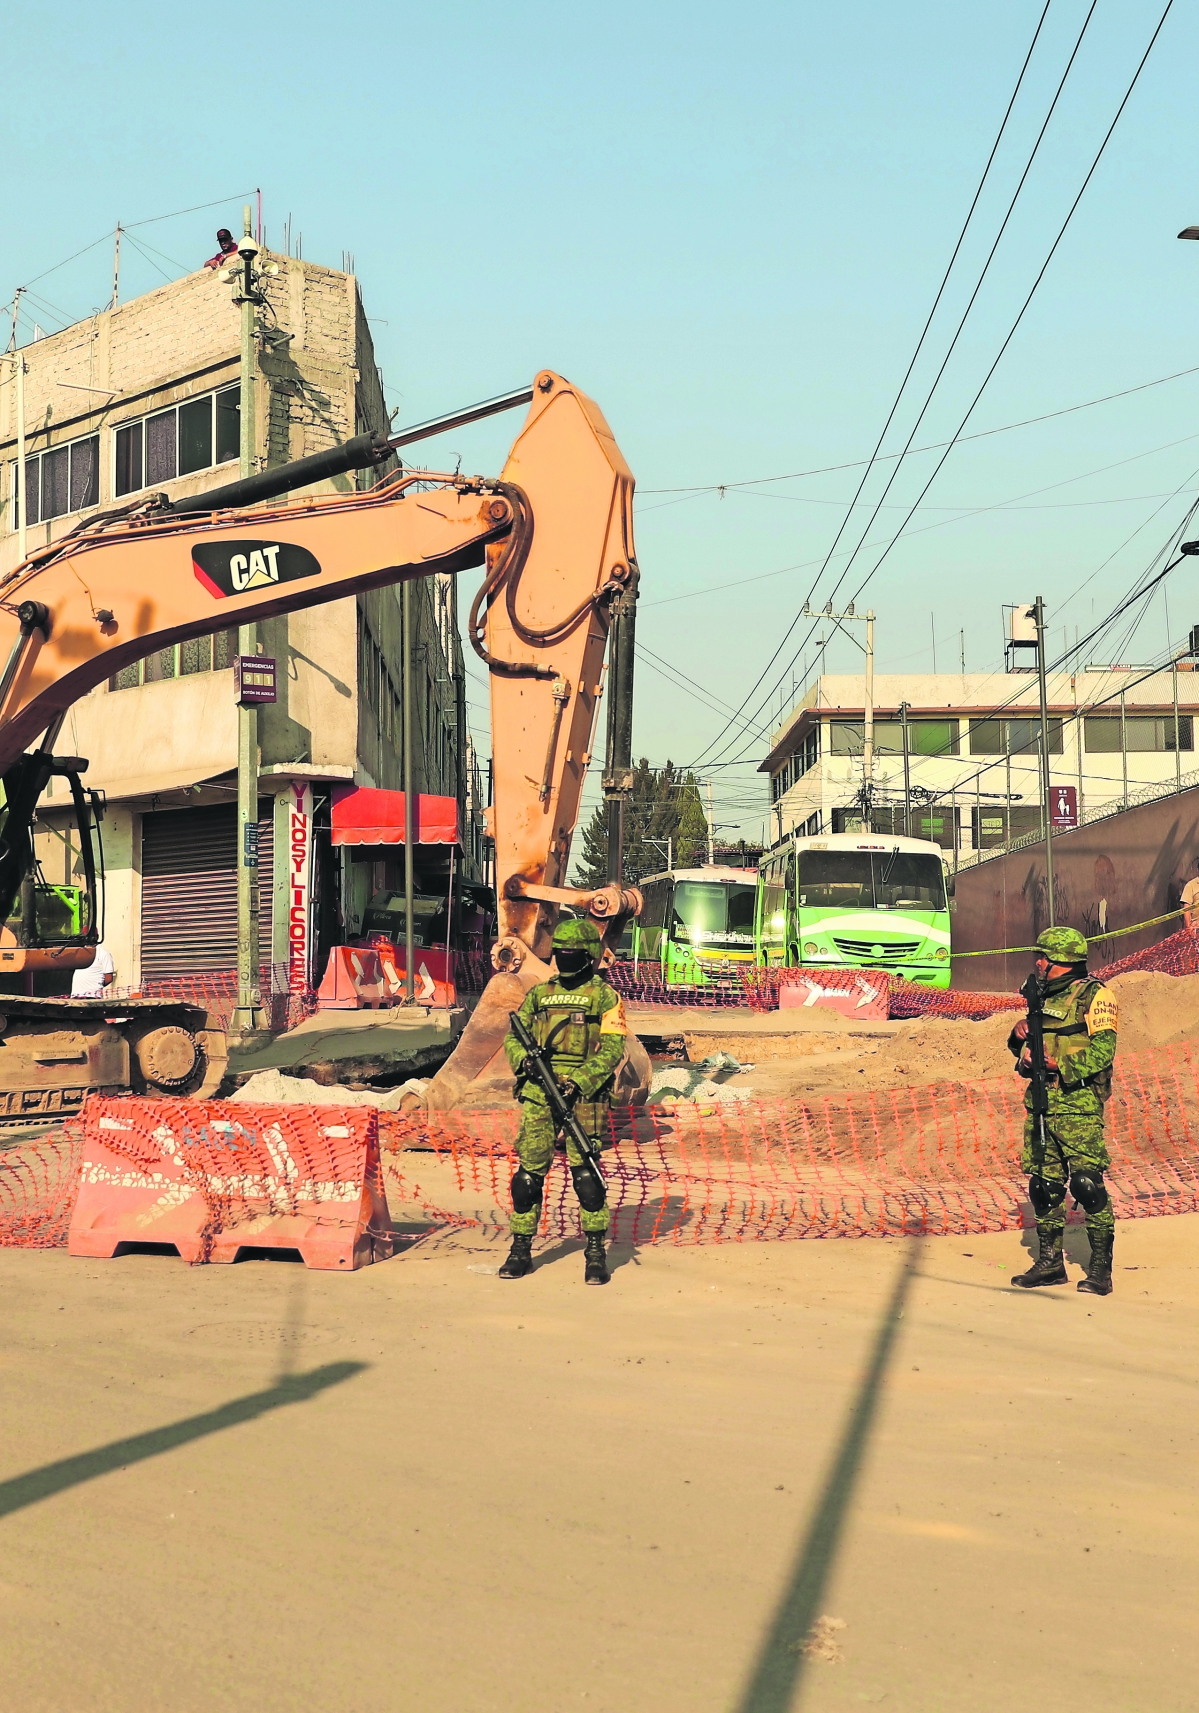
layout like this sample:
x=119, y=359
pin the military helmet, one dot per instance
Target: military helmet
x=1063, y=945
x=572, y=935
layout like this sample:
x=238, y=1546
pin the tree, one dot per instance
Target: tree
x=591, y=865
x=693, y=827
x=662, y=807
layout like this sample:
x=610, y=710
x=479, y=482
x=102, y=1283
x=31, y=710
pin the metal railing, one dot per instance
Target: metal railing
x=1101, y=812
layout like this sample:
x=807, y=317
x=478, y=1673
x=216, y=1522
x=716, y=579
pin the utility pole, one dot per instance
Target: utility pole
x=907, y=778
x=866, y=618
x=1177, y=755
x=116, y=276
x=1046, y=802
x=248, y=1015
x=1124, y=745
x=18, y=362
x=711, y=854
x=618, y=759
x=868, y=730
x=409, y=818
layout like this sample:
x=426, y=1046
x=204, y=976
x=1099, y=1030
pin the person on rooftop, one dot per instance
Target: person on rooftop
x=228, y=251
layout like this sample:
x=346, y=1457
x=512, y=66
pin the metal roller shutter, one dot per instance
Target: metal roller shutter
x=189, y=891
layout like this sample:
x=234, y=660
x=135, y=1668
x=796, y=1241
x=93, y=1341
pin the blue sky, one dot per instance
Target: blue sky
x=729, y=229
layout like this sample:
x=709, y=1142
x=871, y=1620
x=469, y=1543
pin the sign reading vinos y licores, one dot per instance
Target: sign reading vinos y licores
x=299, y=886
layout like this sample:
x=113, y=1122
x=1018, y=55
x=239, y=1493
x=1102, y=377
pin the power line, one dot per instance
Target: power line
x=935, y=446
x=1007, y=340
x=912, y=363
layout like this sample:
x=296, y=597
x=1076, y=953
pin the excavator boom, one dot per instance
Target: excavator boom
x=554, y=532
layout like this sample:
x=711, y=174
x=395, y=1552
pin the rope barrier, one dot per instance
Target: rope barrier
x=1092, y=939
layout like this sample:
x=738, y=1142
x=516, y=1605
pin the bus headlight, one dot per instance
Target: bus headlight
x=941, y=954
x=811, y=950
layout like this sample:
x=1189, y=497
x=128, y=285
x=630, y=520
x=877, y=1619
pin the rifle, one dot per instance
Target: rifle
x=537, y=1067
x=1034, y=994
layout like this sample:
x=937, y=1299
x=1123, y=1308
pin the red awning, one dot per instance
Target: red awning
x=362, y=816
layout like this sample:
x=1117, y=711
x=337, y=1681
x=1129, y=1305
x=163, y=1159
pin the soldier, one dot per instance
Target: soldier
x=1080, y=1022
x=579, y=1020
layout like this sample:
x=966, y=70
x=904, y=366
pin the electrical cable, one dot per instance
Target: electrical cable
x=999, y=356
x=885, y=457
x=919, y=346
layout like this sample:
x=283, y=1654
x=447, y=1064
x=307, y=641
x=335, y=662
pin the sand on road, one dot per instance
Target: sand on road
x=418, y=1487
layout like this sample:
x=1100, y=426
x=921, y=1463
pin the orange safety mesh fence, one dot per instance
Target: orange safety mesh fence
x=936, y=1159
x=217, y=989
x=939, y=1158
x=38, y=1185
x=644, y=984
x=905, y=998
x=1176, y=955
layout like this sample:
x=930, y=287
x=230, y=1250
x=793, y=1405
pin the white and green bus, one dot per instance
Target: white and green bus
x=856, y=901
x=697, y=924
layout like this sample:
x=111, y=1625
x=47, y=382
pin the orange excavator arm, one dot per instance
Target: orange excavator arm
x=555, y=532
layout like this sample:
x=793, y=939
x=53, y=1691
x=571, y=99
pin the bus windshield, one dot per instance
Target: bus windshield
x=710, y=913
x=870, y=880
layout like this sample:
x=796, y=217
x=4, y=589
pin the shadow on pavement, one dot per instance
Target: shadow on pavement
x=52, y=1478
x=779, y=1666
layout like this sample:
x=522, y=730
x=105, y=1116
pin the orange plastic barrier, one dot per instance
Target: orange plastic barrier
x=854, y=993
x=431, y=985
x=214, y=1179
x=353, y=981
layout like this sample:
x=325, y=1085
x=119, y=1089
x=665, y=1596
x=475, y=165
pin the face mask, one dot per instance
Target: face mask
x=573, y=962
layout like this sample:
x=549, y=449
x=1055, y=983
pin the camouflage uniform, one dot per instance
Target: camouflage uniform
x=582, y=1025
x=1080, y=1023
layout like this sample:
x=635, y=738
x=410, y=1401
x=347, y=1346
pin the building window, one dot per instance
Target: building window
x=381, y=693
x=64, y=479
x=846, y=737
x=194, y=435
x=1101, y=733
x=938, y=824
x=179, y=660
x=1013, y=737
x=925, y=737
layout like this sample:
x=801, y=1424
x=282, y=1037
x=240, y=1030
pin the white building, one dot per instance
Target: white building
x=973, y=743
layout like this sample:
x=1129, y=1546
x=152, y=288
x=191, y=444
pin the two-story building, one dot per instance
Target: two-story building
x=146, y=396
x=972, y=746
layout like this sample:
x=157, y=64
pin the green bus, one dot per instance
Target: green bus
x=856, y=901
x=697, y=925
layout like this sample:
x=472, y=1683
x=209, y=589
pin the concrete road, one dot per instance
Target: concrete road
x=256, y=1488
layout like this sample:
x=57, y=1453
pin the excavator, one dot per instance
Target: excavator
x=554, y=534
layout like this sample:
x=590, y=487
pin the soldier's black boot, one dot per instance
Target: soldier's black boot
x=520, y=1258
x=1050, y=1266
x=1099, y=1269
x=596, y=1272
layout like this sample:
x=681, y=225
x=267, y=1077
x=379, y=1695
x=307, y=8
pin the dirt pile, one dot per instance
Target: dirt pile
x=1156, y=1010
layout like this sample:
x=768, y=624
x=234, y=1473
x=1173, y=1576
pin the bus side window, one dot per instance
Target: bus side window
x=652, y=916
x=774, y=909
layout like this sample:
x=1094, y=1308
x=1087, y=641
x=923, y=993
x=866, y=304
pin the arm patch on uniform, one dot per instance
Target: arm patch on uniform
x=1103, y=1013
x=613, y=1020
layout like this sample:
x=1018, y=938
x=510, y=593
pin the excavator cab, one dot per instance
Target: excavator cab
x=46, y=928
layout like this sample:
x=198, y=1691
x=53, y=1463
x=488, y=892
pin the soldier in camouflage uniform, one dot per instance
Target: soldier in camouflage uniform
x=579, y=1020
x=1080, y=1023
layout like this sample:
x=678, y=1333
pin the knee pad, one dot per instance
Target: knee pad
x=589, y=1187
x=1089, y=1190
x=1045, y=1195
x=527, y=1190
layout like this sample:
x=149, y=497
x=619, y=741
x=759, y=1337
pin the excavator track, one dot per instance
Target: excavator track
x=55, y=1052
